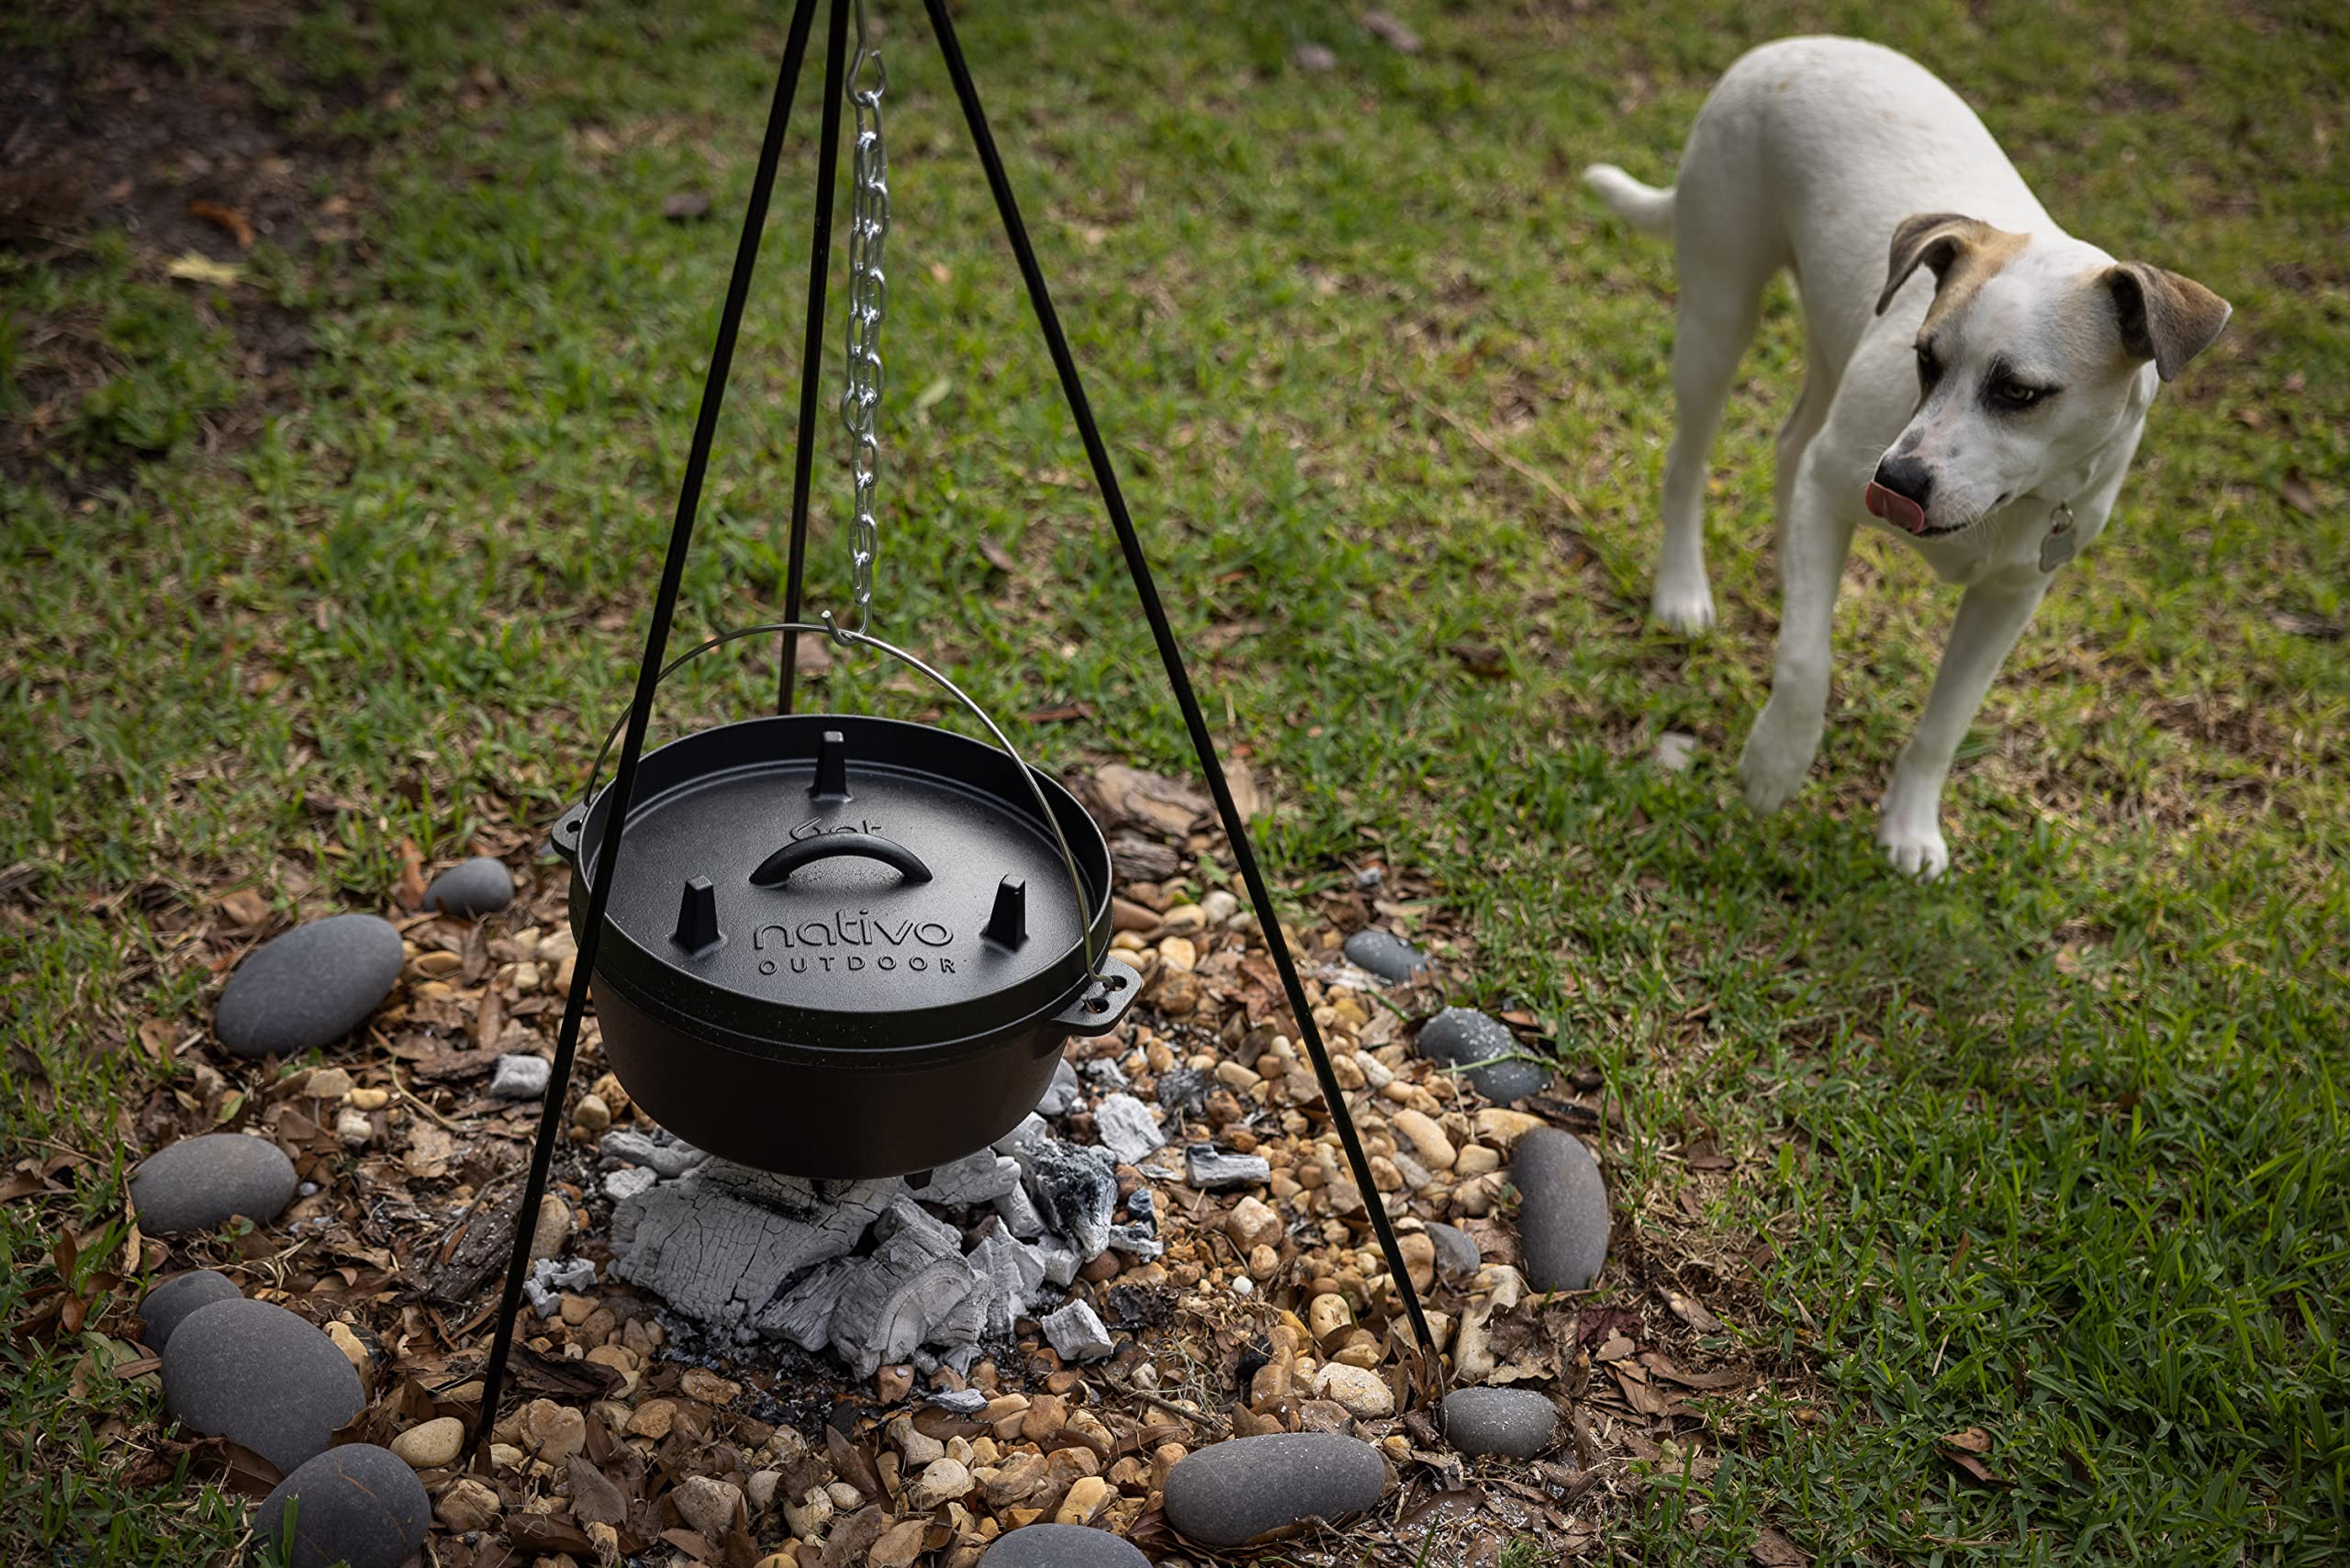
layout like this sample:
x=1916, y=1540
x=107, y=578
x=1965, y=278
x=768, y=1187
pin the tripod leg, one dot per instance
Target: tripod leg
x=1171, y=656
x=648, y=676
x=812, y=354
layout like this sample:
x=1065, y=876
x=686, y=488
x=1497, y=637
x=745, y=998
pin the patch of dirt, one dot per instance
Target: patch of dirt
x=112, y=121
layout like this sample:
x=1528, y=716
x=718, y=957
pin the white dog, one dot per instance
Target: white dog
x=1986, y=418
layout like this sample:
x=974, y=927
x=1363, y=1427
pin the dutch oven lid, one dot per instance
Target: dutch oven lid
x=832, y=880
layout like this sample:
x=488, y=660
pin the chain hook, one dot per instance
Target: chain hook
x=869, y=299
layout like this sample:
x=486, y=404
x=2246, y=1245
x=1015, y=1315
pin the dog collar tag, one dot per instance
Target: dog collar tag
x=2058, y=546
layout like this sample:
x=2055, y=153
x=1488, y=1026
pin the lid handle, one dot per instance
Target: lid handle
x=778, y=867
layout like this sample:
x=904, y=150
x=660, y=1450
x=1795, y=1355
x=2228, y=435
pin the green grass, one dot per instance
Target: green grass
x=2055, y=1148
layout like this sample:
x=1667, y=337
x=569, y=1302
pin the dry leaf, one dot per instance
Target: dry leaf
x=245, y=907
x=235, y=224
x=1773, y=1549
x=1693, y=1312
x=195, y=267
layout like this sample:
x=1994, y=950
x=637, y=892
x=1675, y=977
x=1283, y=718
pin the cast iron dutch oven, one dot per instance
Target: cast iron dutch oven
x=845, y=946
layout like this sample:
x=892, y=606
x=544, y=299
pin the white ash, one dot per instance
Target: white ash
x=1128, y=1129
x=1062, y=1094
x=1106, y=1072
x=549, y=1279
x=867, y=1269
x=1214, y=1169
x=1077, y=1333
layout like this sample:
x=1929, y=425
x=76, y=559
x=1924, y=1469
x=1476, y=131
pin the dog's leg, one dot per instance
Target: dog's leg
x=1815, y=534
x=1712, y=325
x=1990, y=617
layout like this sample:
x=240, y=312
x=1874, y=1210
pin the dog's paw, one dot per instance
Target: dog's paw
x=1687, y=609
x=1774, y=761
x=1916, y=849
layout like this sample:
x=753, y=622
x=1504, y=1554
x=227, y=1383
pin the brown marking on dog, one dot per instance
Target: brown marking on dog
x=1962, y=253
x=2164, y=316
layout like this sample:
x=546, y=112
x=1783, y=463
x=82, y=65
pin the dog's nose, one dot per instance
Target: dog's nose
x=1906, y=478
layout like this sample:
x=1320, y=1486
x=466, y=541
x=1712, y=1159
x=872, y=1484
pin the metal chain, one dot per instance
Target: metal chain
x=868, y=296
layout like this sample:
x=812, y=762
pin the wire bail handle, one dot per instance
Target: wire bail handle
x=1087, y=910
x=869, y=299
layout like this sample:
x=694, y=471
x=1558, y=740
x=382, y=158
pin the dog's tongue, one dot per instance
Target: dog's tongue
x=1896, y=510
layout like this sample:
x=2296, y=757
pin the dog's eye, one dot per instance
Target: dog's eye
x=1928, y=366
x=2016, y=393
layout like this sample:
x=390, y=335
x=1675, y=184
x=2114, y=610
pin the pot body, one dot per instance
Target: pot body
x=742, y=1045
x=804, y=1116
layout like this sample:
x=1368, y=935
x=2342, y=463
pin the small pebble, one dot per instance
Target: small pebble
x=709, y=1505
x=519, y=1077
x=430, y=1445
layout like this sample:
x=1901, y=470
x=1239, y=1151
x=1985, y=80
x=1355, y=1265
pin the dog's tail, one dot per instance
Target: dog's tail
x=1645, y=207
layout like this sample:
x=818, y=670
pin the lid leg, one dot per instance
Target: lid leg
x=832, y=768
x=697, y=917
x=1008, y=922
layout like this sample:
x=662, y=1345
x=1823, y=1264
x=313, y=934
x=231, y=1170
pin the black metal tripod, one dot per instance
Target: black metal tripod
x=656, y=639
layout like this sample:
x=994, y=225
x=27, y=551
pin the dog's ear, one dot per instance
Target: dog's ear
x=2164, y=317
x=1931, y=239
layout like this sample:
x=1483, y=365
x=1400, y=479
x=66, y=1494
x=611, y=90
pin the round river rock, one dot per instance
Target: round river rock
x=168, y=1303
x=1062, y=1546
x=477, y=887
x=1562, y=1219
x=1460, y=1035
x=254, y=1373
x=309, y=988
x=1385, y=954
x=199, y=1183
x=359, y=1505
x=1234, y=1491
x=1513, y=1421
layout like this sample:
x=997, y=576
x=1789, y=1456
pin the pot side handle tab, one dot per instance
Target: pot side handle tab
x=778, y=866
x=1103, y=1001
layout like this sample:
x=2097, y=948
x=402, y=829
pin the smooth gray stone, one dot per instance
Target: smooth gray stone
x=254, y=1373
x=1460, y=1035
x=197, y=1184
x=1385, y=954
x=1562, y=1219
x=477, y=887
x=1062, y=1546
x=1517, y=1422
x=168, y=1303
x=309, y=988
x=359, y=1504
x=1457, y=1255
x=1234, y=1491
x=519, y=1076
